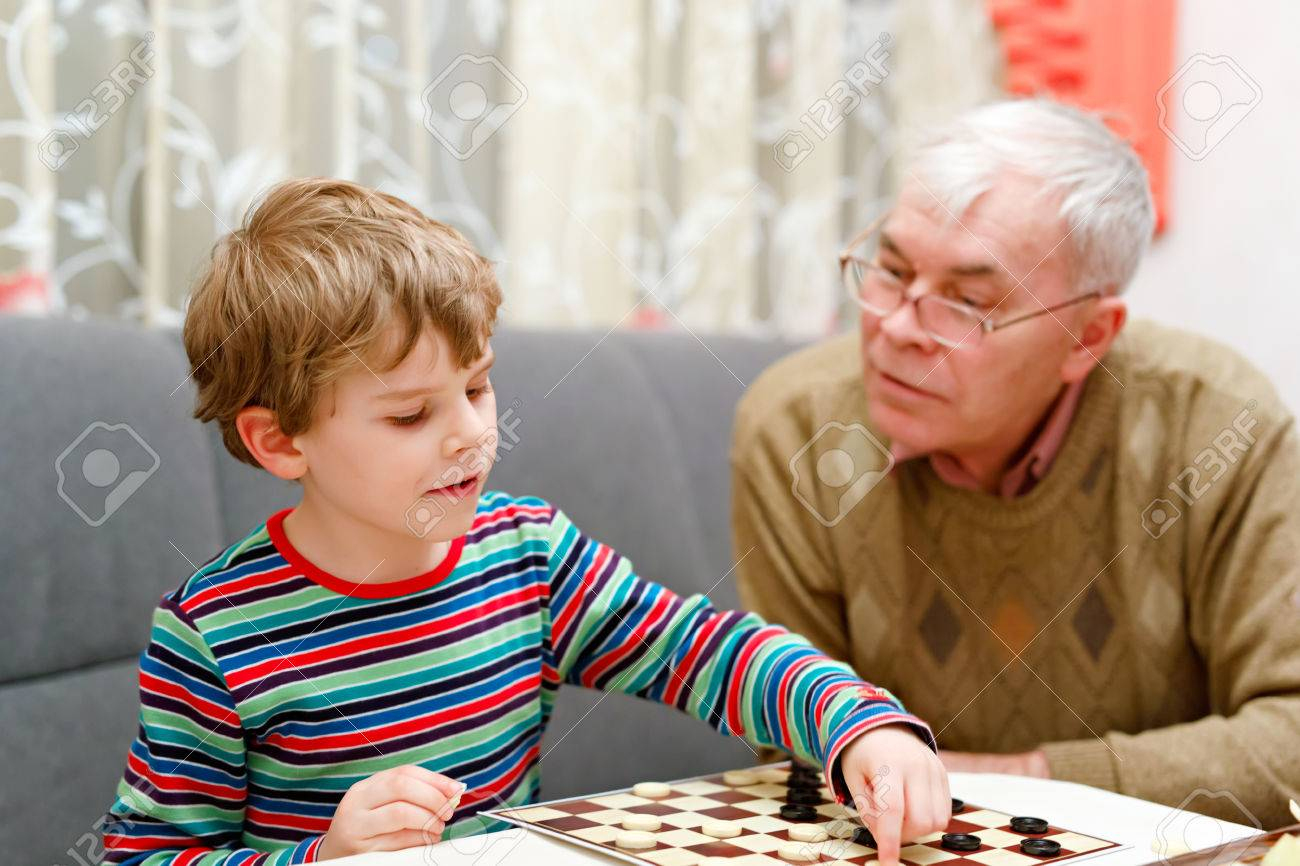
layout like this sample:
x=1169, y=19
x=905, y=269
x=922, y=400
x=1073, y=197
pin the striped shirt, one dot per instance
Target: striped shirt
x=269, y=687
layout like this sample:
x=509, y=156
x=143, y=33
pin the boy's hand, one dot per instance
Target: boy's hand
x=404, y=807
x=899, y=787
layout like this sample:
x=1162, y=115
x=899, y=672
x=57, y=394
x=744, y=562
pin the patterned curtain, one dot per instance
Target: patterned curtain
x=633, y=164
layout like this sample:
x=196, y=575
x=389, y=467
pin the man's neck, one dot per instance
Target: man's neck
x=354, y=550
x=987, y=467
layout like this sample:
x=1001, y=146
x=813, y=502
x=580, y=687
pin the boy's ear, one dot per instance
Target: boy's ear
x=260, y=430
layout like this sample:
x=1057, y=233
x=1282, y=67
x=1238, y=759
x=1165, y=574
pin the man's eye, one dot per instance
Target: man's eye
x=407, y=420
x=485, y=388
x=895, y=272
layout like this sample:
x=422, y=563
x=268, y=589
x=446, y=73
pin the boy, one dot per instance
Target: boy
x=347, y=679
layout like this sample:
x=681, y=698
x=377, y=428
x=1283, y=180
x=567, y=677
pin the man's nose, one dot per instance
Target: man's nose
x=903, y=326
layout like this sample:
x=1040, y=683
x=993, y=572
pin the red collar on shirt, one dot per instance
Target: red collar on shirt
x=389, y=589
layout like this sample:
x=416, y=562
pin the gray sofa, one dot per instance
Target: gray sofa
x=632, y=444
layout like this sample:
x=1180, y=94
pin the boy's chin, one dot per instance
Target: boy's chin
x=434, y=521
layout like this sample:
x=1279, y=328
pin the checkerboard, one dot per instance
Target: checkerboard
x=593, y=822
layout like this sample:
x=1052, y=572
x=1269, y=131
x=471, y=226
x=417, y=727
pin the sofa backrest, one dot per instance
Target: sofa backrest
x=112, y=493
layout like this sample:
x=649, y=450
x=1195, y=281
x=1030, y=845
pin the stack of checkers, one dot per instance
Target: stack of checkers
x=780, y=814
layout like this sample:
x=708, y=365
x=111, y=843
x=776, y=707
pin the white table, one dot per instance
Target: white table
x=1132, y=823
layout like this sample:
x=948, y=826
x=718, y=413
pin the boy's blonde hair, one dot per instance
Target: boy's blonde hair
x=310, y=285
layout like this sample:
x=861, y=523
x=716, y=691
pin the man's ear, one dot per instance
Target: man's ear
x=1102, y=325
x=260, y=430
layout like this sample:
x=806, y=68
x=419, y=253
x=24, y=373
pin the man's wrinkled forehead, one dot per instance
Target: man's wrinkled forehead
x=1005, y=233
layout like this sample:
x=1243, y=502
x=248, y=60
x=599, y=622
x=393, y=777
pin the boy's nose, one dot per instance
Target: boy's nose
x=470, y=431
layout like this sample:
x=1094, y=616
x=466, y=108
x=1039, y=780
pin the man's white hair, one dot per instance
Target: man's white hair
x=1095, y=176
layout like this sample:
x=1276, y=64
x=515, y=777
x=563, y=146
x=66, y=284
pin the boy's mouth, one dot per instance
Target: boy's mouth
x=457, y=490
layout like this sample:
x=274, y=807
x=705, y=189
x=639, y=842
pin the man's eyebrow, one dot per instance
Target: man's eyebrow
x=979, y=269
x=888, y=243
x=482, y=364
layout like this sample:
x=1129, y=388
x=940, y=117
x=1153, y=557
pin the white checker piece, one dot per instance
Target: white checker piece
x=699, y=787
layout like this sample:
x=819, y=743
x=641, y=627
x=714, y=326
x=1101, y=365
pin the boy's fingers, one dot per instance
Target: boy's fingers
x=921, y=812
x=397, y=788
x=401, y=840
x=888, y=827
x=944, y=798
x=395, y=817
x=449, y=787
x=873, y=809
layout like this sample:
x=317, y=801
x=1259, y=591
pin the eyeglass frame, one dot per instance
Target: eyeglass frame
x=984, y=324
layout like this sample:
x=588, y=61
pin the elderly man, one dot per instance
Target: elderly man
x=1071, y=544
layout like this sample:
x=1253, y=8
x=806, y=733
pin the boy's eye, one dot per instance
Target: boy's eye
x=406, y=420
x=485, y=388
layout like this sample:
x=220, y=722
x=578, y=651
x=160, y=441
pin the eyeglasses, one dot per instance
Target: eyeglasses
x=950, y=323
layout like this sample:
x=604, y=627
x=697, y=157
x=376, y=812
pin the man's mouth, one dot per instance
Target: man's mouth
x=901, y=386
x=456, y=490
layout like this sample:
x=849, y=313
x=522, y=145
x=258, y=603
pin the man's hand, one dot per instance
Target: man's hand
x=899, y=787
x=1021, y=764
x=404, y=807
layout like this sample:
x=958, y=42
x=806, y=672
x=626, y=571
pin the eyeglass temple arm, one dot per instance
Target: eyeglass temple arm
x=1045, y=310
x=861, y=236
